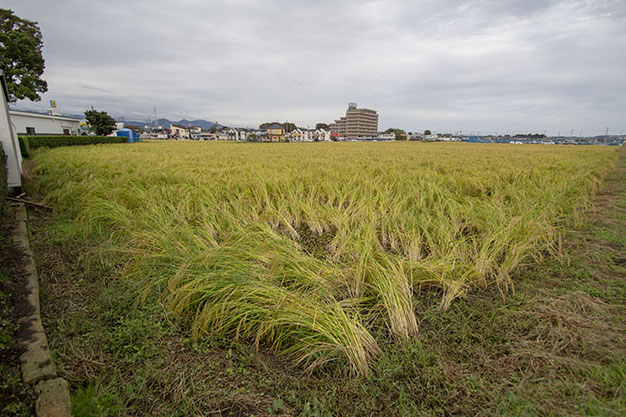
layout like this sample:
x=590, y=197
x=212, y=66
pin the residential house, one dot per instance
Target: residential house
x=275, y=132
x=321, y=135
x=179, y=132
x=238, y=134
x=300, y=135
x=206, y=135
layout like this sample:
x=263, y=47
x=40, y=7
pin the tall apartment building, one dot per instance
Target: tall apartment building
x=356, y=123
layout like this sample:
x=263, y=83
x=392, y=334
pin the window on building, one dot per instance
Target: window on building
x=66, y=131
x=30, y=130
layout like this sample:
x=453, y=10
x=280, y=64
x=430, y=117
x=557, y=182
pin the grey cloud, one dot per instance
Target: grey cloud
x=446, y=65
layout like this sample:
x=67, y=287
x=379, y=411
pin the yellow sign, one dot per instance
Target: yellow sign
x=53, y=103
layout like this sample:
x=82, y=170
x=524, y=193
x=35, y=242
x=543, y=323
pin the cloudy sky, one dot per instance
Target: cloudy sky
x=444, y=65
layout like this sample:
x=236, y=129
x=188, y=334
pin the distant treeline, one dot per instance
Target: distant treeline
x=530, y=136
x=290, y=127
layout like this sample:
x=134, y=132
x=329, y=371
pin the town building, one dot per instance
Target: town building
x=308, y=135
x=237, y=134
x=382, y=137
x=338, y=128
x=321, y=135
x=32, y=123
x=180, y=132
x=299, y=135
x=356, y=123
x=275, y=132
x=159, y=132
x=207, y=135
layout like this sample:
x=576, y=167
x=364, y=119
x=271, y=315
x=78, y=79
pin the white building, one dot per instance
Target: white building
x=321, y=135
x=238, y=134
x=9, y=141
x=31, y=123
x=179, y=132
x=381, y=137
x=299, y=135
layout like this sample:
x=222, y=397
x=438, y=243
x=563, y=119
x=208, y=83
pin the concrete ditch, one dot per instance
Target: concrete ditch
x=38, y=369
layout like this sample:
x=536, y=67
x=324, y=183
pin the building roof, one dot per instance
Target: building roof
x=43, y=115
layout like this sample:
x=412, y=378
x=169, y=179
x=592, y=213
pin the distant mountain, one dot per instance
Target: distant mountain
x=203, y=124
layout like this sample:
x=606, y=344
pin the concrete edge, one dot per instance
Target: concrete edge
x=38, y=369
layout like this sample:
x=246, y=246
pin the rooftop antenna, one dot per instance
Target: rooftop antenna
x=606, y=132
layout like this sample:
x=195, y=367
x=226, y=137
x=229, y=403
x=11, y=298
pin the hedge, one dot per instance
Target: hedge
x=3, y=178
x=29, y=143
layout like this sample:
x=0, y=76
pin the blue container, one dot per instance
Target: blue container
x=131, y=137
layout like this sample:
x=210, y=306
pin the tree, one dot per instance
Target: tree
x=400, y=134
x=133, y=127
x=321, y=126
x=289, y=127
x=100, y=122
x=264, y=126
x=20, y=57
x=427, y=132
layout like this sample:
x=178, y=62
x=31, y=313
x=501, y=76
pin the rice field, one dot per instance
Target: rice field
x=320, y=251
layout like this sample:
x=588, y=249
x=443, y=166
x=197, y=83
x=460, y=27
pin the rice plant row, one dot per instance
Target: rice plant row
x=320, y=251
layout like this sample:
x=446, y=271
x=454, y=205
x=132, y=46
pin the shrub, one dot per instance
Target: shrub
x=3, y=178
x=30, y=143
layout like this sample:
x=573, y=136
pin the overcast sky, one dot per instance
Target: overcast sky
x=444, y=65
